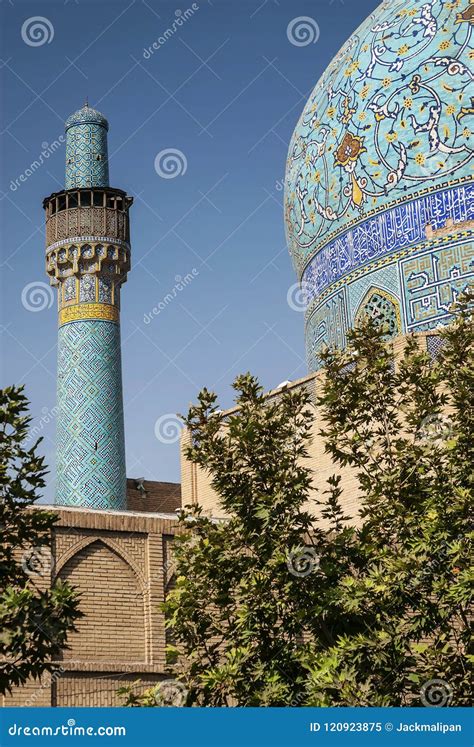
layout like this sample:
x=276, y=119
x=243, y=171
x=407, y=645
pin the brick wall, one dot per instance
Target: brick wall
x=163, y=497
x=120, y=563
x=113, y=628
x=195, y=483
x=95, y=689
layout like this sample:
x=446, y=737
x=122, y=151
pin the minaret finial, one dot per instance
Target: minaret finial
x=87, y=101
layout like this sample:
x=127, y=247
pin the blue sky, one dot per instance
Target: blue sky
x=226, y=90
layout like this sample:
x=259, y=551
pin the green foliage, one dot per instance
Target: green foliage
x=34, y=619
x=405, y=427
x=274, y=607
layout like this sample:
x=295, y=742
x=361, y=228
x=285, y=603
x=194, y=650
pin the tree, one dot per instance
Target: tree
x=406, y=427
x=271, y=607
x=34, y=619
x=235, y=613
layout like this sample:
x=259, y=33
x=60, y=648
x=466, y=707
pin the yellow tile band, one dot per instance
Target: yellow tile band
x=89, y=311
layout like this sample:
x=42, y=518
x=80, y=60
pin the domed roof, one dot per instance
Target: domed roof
x=387, y=122
x=86, y=115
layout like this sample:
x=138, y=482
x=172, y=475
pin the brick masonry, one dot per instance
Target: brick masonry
x=120, y=563
x=195, y=483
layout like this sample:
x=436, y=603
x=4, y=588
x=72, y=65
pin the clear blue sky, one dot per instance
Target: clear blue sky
x=225, y=89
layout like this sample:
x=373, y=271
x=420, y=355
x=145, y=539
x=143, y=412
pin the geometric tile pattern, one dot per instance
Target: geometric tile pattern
x=86, y=149
x=385, y=278
x=379, y=173
x=434, y=345
x=90, y=429
x=432, y=281
x=326, y=327
x=381, y=308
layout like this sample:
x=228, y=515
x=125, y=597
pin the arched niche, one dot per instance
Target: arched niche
x=383, y=308
x=112, y=600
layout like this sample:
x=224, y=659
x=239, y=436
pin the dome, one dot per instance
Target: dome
x=379, y=167
x=86, y=115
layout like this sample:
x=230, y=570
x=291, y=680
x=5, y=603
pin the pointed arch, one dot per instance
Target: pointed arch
x=113, y=602
x=383, y=307
x=108, y=542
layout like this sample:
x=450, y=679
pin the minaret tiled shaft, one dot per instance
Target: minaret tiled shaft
x=87, y=259
x=87, y=163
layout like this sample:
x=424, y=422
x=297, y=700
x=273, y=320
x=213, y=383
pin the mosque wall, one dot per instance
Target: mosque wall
x=120, y=562
x=196, y=484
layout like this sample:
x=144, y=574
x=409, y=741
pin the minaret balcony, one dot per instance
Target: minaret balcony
x=77, y=213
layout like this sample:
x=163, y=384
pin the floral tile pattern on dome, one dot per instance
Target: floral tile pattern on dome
x=379, y=175
x=389, y=116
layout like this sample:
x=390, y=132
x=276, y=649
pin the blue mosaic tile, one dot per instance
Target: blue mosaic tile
x=90, y=434
x=379, y=174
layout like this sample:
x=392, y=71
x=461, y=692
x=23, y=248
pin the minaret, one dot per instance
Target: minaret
x=87, y=259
